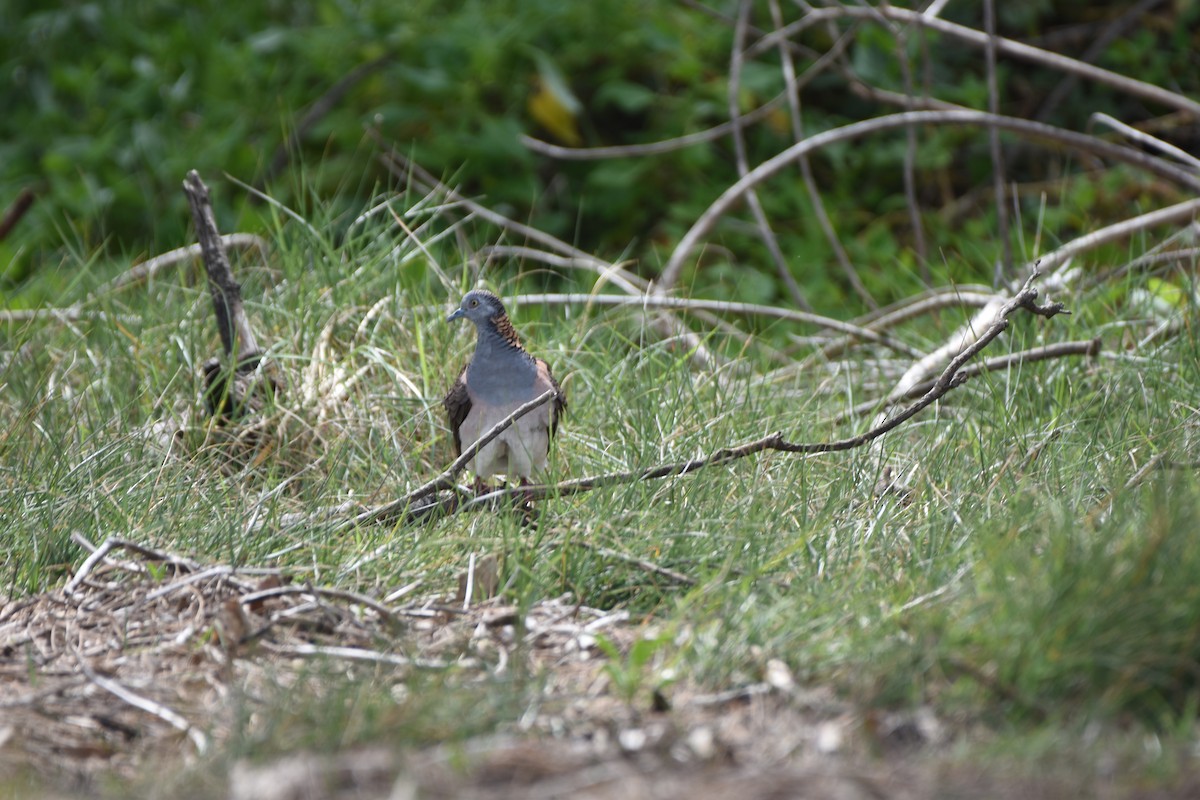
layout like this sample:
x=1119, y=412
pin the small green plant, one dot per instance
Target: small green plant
x=634, y=674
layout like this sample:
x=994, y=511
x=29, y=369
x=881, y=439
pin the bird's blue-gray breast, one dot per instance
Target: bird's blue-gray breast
x=500, y=372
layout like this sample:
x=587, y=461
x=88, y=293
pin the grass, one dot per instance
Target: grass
x=1035, y=582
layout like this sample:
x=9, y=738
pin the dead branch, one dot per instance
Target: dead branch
x=1178, y=213
x=989, y=17
x=314, y=591
x=1100, y=44
x=794, y=84
x=242, y=382
x=728, y=307
x=666, y=325
x=1007, y=47
x=1145, y=139
x=712, y=134
x=97, y=554
x=237, y=337
x=768, y=237
x=771, y=167
x=1059, y=350
x=16, y=211
x=358, y=654
x=140, y=273
x=640, y=563
x=952, y=377
x=925, y=303
x=390, y=511
x=136, y=274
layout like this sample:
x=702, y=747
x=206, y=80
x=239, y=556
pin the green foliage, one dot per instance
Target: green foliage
x=630, y=673
x=109, y=105
x=1108, y=614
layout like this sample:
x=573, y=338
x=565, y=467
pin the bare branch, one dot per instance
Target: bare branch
x=1145, y=139
x=640, y=563
x=810, y=182
x=139, y=273
x=651, y=148
x=171, y=717
x=768, y=169
x=1180, y=212
x=237, y=337
x=1095, y=50
x=722, y=306
x=12, y=215
x=445, y=480
x=1044, y=353
x=355, y=654
x=739, y=149
x=1007, y=47
x=989, y=21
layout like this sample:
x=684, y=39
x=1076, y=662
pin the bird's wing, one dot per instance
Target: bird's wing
x=457, y=403
x=560, y=400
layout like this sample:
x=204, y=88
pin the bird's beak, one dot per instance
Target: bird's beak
x=455, y=314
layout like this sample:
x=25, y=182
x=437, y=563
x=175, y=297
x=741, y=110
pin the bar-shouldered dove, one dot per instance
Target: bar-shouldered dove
x=500, y=377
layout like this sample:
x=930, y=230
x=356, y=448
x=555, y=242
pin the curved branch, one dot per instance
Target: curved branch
x=1007, y=47
x=707, y=221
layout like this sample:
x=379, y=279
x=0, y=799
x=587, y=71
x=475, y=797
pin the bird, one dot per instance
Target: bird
x=500, y=377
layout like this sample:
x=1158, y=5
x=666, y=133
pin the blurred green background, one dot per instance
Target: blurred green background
x=106, y=106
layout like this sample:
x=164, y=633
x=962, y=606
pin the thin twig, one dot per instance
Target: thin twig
x=114, y=542
x=405, y=168
x=650, y=148
x=727, y=307
x=910, y=157
x=341, y=594
x=640, y=563
x=354, y=654
x=18, y=209
x=1099, y=45
x=151, y=268
x=806, y=173
x=989, y=21
x=769, y=239
x=950, y=297
x=445, y=480
x=1145, y=139
x=69, y=314
x=1044, y=353
x=167, y=715
x=562, y=262
x=1052, y=262
x=89, y=563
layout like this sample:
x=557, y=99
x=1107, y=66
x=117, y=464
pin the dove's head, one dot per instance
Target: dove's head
x=478, y=305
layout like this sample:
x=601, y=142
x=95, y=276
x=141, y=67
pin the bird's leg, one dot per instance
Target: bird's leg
x=481, y=486
x=526, y=505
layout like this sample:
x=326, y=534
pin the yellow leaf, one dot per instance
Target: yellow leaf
x=551, y=113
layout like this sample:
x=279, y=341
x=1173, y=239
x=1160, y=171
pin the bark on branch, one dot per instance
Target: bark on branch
x=235, y=384
x=237, y=337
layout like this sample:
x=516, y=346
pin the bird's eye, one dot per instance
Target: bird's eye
x=473, y=303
